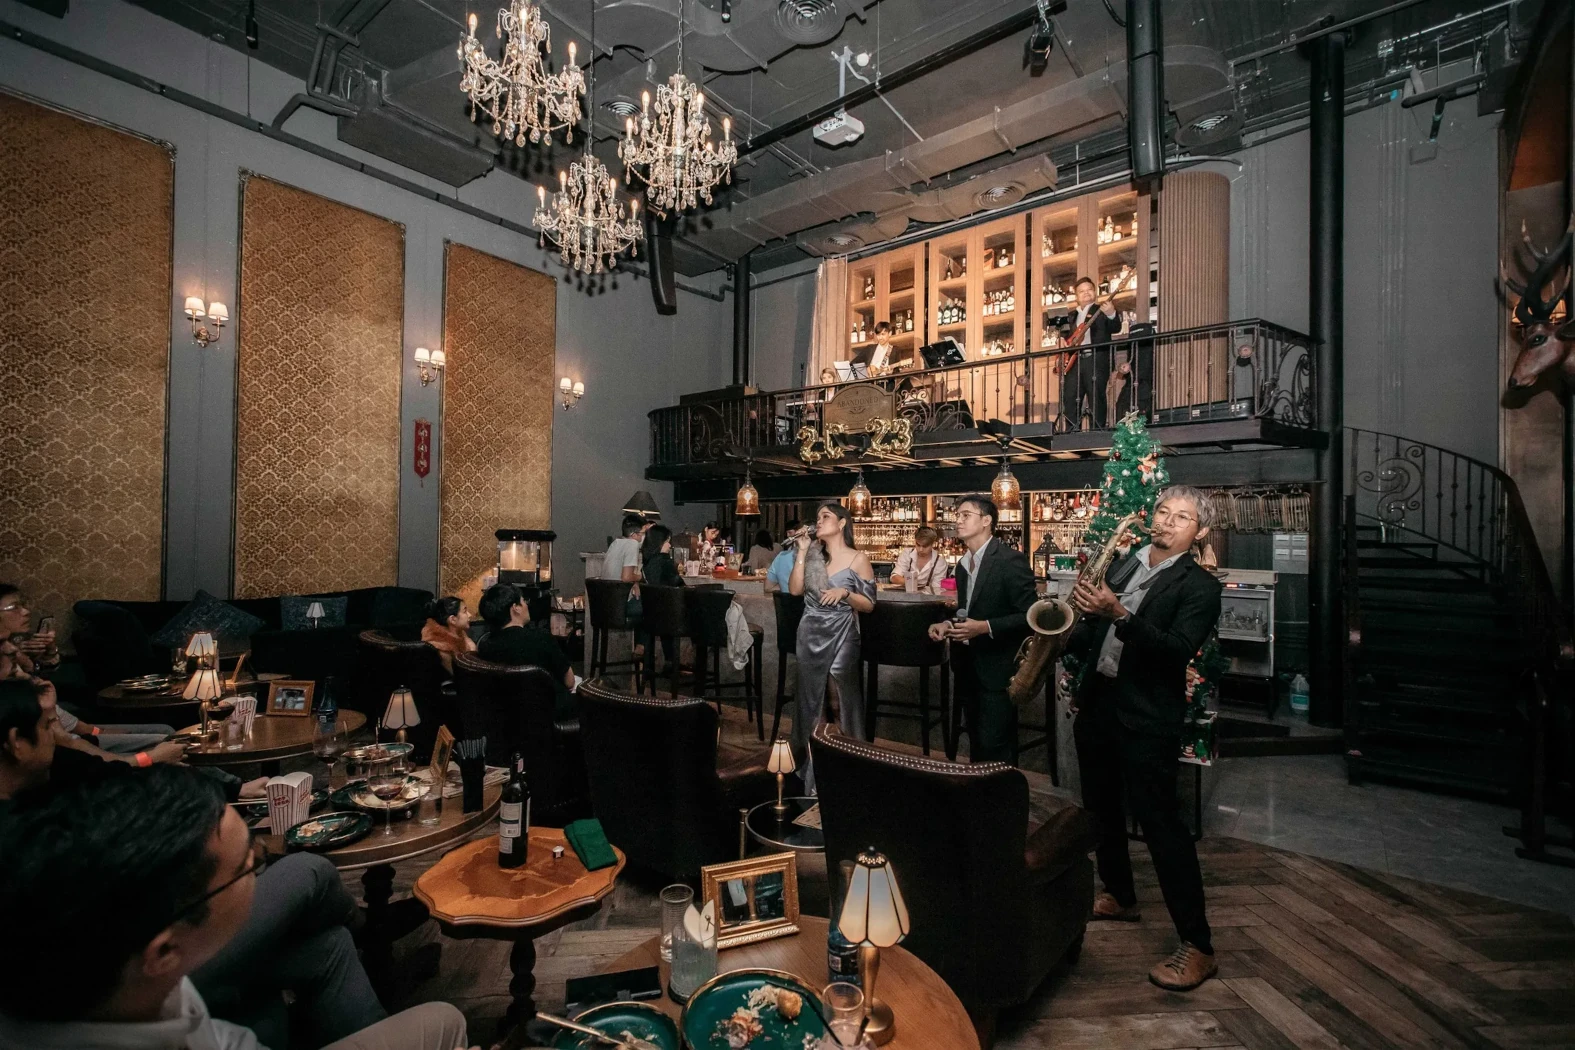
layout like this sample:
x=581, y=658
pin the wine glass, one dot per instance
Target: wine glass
x=330, y=739
x=387, y=783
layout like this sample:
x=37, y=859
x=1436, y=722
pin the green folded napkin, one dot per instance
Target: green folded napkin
x=590, y=843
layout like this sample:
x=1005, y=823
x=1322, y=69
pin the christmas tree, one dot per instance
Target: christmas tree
x=1134, y=474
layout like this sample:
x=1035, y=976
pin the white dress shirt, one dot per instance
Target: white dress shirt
x=1131, y=596
x=925, y=579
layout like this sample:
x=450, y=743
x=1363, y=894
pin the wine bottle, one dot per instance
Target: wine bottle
x=842, y=956
x=514, y=817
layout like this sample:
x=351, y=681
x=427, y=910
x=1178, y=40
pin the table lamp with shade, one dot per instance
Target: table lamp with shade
x=781, y=763
x=204, y=650
x=204, y=686
x=401, y=713
x=874, y=917
x=315, y=613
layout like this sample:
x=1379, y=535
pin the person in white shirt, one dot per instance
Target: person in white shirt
x=114, y=891
x=622, y=560
x=920, y=568
x=880, y=357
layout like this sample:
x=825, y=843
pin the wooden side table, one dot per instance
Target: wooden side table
x=929, y=1014
x=470, y=896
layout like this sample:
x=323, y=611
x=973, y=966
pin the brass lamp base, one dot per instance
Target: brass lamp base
x=882, y=1025
x=779, y=807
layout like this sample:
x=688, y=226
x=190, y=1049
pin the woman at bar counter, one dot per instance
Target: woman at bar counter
x=837, y=583
x=920, y=569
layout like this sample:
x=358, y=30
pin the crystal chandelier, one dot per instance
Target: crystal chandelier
x=584, y=217
x=518, y=93
x=673, y=145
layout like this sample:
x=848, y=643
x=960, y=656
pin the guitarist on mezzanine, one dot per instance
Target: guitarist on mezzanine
x=1086, y=370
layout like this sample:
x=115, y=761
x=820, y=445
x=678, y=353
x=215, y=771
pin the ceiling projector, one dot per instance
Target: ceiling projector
x=839, y=129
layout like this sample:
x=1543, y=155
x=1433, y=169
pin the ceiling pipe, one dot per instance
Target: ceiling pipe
x=741, y=319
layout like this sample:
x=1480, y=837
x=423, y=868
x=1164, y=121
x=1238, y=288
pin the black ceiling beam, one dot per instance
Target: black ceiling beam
x=989, y=35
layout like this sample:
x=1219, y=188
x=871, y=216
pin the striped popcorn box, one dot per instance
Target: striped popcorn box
x=289, y=801
x=245, y=711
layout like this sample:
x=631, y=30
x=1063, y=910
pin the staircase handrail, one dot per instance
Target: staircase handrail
x=1515, y=540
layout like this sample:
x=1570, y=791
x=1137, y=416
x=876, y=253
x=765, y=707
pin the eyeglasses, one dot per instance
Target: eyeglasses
x=13, y=606
x=1179, y=517
x=960, y=515
x=258, y=864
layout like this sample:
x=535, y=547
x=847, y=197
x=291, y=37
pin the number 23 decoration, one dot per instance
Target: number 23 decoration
x=888, y=437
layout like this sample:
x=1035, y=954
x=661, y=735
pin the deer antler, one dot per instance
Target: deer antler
x=1533, y=307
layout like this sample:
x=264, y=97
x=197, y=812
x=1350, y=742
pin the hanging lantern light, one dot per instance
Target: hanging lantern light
x=1005, y=490
x=747, y=505
x=859, y=498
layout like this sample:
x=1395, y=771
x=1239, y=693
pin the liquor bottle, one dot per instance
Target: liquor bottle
x=514, y=817
x=1134, y=224
x=907, y=321
x=964, y=261
x=853, y=333
x=842, y=956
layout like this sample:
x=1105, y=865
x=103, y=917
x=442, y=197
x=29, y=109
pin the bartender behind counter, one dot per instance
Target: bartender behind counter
x=921, y=568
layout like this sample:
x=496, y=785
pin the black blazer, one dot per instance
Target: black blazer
x=1001, y=595
x=1158, y=642
x=1102, y=330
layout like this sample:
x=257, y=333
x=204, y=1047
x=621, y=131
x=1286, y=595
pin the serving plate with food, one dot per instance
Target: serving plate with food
x=255, y=810
x=358, y=794
x=754, y=1009
x=329, y=831
x=639, y=1025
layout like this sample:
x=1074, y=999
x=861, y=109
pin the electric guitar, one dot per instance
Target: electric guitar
x=1075, y=340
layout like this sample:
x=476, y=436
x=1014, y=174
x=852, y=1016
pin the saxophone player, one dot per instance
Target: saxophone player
x=995, y=587
x=1141, y=627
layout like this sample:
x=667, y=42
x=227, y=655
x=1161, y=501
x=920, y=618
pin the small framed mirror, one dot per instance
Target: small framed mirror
x=756, y=899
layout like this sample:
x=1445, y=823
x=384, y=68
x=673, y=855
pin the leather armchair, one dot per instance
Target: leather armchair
x=993, y=906
x=514, y=708
x=385, y=664
x=655, y=784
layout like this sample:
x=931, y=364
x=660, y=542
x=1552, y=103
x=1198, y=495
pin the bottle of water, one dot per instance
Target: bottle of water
x=1299, y=690
x=842, y=956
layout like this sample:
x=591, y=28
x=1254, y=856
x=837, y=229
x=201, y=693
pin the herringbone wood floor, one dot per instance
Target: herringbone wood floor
x=1313, y=955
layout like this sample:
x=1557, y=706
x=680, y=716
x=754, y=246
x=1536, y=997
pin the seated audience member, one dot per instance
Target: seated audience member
x=761, y=554
x=448, y=629
x=782, y=565
x=33, y=652
x=27, y=740
x=147, y=876
x=659, y=570
x=921, y=568
x=515, y=641
x=622, y=560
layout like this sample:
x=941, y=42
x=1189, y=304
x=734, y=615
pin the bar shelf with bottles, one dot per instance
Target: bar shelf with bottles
x=1061, y=517
x=887, y=287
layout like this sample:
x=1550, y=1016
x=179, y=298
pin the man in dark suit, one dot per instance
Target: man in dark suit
x=1141, y=627
x=1087, y=365
x=995, y=587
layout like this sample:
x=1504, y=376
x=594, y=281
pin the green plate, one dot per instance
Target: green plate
x=723, y=994
x=638, y=1019
x=254, y=809
x=329, y=831
x=345, y=798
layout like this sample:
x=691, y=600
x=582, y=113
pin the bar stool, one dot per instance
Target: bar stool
x=1048, y=733
x=896, y=634
x=607, y=603
x=665, y=616
x=707, y=610
x=789, y=609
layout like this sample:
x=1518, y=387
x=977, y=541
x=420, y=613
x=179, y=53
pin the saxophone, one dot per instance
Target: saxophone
x=1052, y=620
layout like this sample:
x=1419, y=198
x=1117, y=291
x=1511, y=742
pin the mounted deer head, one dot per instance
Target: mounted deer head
x=1544, y=346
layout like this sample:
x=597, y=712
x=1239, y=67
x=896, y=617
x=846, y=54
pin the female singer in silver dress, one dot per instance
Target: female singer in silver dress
x=837, y=583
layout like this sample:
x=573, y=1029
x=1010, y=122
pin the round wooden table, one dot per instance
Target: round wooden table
x=116, y=697
x=928, y=1013
x=273, y=738
x=766, y=829
x=470, y=896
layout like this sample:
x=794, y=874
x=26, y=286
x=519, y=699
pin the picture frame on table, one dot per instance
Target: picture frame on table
x=290, y=697
x=754, y=899
x=442, y=751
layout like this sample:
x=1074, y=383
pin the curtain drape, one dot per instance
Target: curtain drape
x=829, y=341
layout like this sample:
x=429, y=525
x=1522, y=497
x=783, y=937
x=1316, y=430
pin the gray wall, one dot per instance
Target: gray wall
x=630, y=359
x=783, y=315
x=1421, y=252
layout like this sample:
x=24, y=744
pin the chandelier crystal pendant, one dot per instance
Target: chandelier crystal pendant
x=584, y=218
x=523, y=99
x=670, y=145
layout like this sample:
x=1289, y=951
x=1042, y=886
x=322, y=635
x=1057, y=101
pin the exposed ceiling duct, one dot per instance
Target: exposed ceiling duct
x=884, y=187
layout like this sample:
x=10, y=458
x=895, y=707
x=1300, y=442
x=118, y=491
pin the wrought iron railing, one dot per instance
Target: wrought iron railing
x=1412, y=488
x=1238, y=370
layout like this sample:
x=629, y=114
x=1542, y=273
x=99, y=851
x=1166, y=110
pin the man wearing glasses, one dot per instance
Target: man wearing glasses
x=995, y=587
x=116, y=891
x=1141, y=627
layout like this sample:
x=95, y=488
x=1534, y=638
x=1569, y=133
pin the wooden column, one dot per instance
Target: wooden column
x=1194, y=287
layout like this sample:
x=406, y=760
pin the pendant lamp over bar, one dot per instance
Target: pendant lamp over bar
x=859, y=498
x=1004, y=490
x=747, y=505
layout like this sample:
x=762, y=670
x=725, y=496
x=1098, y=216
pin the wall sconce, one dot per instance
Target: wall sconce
x=570, y=391
x=430, y=363
x=217, y=313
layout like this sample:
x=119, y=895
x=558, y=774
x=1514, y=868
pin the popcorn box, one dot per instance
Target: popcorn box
x=245, y=711
x=289, y=801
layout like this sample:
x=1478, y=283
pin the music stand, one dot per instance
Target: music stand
x=941, y=353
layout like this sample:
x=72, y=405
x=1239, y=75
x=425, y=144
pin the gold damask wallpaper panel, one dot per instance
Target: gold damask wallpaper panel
x=86, y=221
x=500, y=335
x=317, y=442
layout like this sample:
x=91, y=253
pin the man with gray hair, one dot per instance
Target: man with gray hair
x=1141, y=627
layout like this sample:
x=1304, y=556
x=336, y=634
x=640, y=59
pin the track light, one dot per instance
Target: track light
x=251, y=24
x=1041, y=41
x=727, y=10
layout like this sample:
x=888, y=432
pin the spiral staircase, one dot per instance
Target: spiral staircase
x=1458, y=655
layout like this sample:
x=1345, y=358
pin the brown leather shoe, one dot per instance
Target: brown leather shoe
x=1186, y=968
x=1106, y=907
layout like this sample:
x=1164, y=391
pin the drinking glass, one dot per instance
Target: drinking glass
x=234, y=733
x=845, y=1001
x=430, y=813
x=178, y=660
x=387, y=784
x=330, y=739
x=694, y=961
x=675, y=902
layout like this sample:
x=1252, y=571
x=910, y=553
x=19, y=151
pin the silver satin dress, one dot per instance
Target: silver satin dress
x=828, y=647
